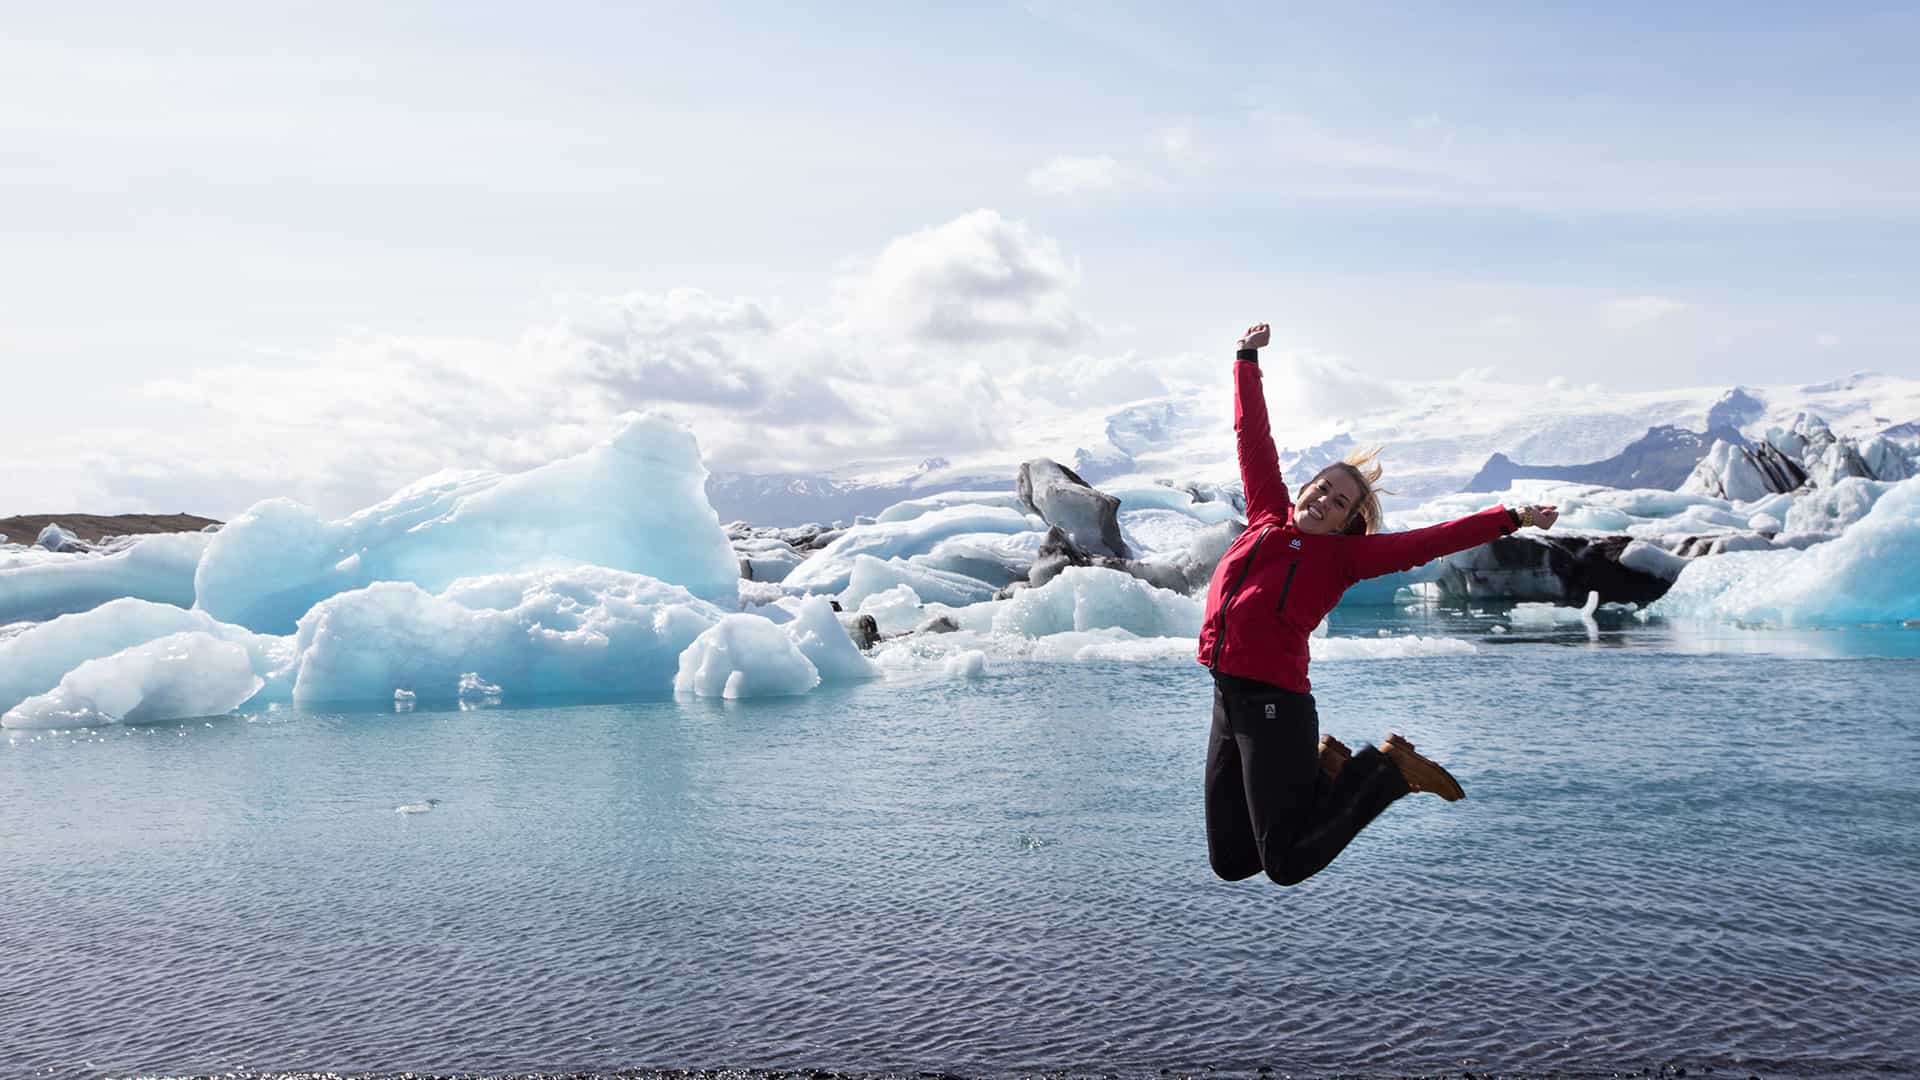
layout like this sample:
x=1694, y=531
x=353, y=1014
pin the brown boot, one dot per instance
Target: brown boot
x=1333, y=755
x=1420, y=772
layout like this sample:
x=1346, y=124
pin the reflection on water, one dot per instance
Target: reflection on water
x=1677, y=847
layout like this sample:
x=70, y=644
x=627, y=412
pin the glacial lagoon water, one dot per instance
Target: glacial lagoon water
x=1678, y=849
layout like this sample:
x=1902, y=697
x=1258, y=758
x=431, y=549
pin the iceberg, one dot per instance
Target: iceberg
x=744, y=656
x=1868, y=574
x=34, y=660
x=585, y=630
x=170, y=678
x=1093, y=597
x=816, y=631
x=872, y=576
x=635, y=503
x=159, y=568
x=831, y=570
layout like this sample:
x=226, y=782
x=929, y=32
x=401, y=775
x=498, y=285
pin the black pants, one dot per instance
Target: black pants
x=1269, y=807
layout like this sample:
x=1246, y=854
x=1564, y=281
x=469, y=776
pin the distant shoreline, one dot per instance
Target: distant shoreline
x=25, y=528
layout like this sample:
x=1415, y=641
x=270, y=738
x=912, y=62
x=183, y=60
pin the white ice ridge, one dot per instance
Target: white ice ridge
x=636, y=502
x=33, y=661
x=170, y=678
x=158, y=568
x=1871, y=573
x=584, y=630
x=831, y=570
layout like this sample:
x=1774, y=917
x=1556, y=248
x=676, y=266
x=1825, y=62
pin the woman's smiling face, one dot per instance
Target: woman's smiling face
x=1327, y=504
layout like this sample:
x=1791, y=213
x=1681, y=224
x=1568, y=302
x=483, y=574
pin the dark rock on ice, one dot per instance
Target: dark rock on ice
x=1742, y=474
x=863, y=629
x=1063, y=500
x=1554, y=569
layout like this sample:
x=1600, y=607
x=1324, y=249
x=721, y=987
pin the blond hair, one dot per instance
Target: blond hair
x=1365, y=469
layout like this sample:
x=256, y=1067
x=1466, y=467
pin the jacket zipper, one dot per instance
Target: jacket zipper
x=1220, y=619
x=1287, y=586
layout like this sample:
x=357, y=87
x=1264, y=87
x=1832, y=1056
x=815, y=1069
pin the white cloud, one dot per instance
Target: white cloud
x=1629, y=312
x=1827, y=341
x=1070, y=175
x=919, y=353
x=978, y=279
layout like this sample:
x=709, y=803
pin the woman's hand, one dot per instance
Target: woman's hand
x=1545, y=516
x=1256, y=336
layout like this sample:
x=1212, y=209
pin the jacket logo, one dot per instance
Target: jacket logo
x=1271, y=712
x=1295, y=545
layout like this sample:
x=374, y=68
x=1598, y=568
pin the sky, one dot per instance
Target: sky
x=318, y=250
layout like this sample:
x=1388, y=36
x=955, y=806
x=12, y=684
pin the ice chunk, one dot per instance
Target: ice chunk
x=636, y=502
x=871, y=576
x=744, y=656
x=832, y=569
x=1832, y=509
x=817, y=633
x=159, y=568
x=1178, y=500
x=1335, y=649
x=584, y=630
x=896, y=610
x=34, y=660
x=995, y=559
x=913, y=508
x=971, y=664
x=170, y=678
x=1868, y=574
x=767, y=558
x=55, y=538
x=1090, y=597
x=1652, y=559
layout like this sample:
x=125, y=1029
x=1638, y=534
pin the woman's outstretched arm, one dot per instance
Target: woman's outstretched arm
x=1253, y=439
x=1387, y=553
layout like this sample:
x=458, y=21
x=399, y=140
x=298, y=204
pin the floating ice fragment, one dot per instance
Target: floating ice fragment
x=34, y=660
x=1089, y=597
x=582, y=630
x=744, y=656
x=172, y=678
x=816, y=631
x=871, y=576
x=473, y=686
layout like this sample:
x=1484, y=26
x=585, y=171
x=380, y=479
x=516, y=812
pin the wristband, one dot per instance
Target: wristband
x=1250, y=355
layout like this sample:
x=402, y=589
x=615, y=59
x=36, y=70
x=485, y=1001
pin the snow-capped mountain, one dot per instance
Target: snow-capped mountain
x=1439, y=437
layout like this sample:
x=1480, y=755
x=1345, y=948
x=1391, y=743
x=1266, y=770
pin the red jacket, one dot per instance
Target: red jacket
x=1275, y=583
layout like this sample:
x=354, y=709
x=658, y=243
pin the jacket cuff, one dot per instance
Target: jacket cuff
x=1513, y=520
x=1250, y=355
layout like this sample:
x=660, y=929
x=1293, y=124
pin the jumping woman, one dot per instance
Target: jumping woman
x=1281, y=798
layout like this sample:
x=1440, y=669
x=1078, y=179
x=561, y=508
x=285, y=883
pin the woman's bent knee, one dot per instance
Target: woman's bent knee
x=1285, y=875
